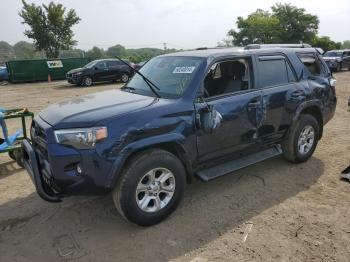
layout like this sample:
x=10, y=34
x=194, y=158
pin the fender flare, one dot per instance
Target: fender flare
x=304, y=106
x=151, y=142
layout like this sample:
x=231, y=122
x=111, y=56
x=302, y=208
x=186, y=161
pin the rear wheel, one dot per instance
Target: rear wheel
x=302, y=140
x=87, y=81
x=150, y=188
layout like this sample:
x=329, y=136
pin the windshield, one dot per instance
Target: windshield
x=172, y=75
x=91, y=64
x=333, y=54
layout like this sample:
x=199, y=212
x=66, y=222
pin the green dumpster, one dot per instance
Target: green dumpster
x=39, y=70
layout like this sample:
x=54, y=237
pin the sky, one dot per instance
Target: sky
x=179, y=23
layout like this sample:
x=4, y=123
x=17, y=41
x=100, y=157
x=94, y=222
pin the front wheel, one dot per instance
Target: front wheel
x=150, y=188
x=125, y=78
x=302, y=140
x=87, y=81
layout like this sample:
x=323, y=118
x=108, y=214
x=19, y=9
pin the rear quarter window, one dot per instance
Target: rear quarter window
x=313, y=64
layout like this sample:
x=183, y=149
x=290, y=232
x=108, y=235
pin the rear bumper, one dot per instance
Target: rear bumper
x=30, y=162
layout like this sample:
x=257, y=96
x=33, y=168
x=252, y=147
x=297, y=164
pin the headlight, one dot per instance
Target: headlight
x=83, y=138
x=79, y=73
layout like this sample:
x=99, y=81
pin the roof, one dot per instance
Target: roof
x=218, y=52
x=341, y=50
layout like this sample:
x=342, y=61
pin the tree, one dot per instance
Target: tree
x=258, y=27
x=96, y=53
x=50, y=27
x=6, y=52
x=25, y=50
x=284, y=24
x=116, y=50
x=325, y=43
x=345, y=44
x=295, y=24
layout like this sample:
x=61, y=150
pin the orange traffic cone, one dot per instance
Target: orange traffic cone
x=49, y=78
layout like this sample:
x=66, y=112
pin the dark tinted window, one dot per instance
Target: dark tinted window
x=113, y=63
x=273, y=72
x=101, y=64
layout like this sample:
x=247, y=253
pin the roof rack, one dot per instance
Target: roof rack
x=262, y=46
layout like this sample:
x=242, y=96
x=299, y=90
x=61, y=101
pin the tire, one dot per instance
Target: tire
x=12, y=155
x=137, y=174
x=297, y=139
x=17, y=155
x=87, y=81
x=124, y=78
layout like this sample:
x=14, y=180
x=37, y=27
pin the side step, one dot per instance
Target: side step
x=228, y=167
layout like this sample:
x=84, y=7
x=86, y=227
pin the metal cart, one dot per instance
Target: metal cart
x=15, y=151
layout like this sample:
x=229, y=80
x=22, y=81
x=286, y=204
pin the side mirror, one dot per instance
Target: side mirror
x=211, y=119
x=96, y=68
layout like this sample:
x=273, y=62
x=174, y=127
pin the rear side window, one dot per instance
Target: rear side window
x=274, y=70
x=312, y=63
x=113, y=63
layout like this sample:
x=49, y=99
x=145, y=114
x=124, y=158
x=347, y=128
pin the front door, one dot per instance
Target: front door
x=240, y=116
x=229, y=90
x=101, y=71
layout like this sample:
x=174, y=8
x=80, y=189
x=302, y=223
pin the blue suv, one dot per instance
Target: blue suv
x=202, y=113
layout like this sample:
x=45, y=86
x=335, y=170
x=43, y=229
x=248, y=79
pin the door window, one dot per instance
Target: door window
x=228, y=77
x=102, y=65
x=113, y=64
x=274, y=71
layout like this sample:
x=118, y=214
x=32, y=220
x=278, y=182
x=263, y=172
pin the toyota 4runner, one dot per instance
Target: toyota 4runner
x=202, y=113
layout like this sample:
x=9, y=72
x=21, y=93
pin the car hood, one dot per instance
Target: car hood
x=86, y=111
x=76, y=70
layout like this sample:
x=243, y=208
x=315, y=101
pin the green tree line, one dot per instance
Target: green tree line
x=25, y=50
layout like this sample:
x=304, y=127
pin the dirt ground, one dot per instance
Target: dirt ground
x=272, y=211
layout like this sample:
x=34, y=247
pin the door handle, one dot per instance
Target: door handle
x=297, y=94
x=254, y=104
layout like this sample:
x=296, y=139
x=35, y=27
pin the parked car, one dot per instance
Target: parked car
x=202, y=114
x=4, y=76
x=100, y=71
x=139, y=65
x=337, y=59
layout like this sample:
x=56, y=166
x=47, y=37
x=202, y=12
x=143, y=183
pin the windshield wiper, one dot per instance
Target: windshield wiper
x=131, y=89
x=151, y=85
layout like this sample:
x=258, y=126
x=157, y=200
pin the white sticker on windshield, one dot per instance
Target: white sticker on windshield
x=184, y=69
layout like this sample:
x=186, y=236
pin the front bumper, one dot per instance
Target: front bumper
x=31, y=164
x=74, y=79
x=53, y=168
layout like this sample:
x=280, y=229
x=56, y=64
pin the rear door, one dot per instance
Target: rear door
x=277, y=81
x=114, y=69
